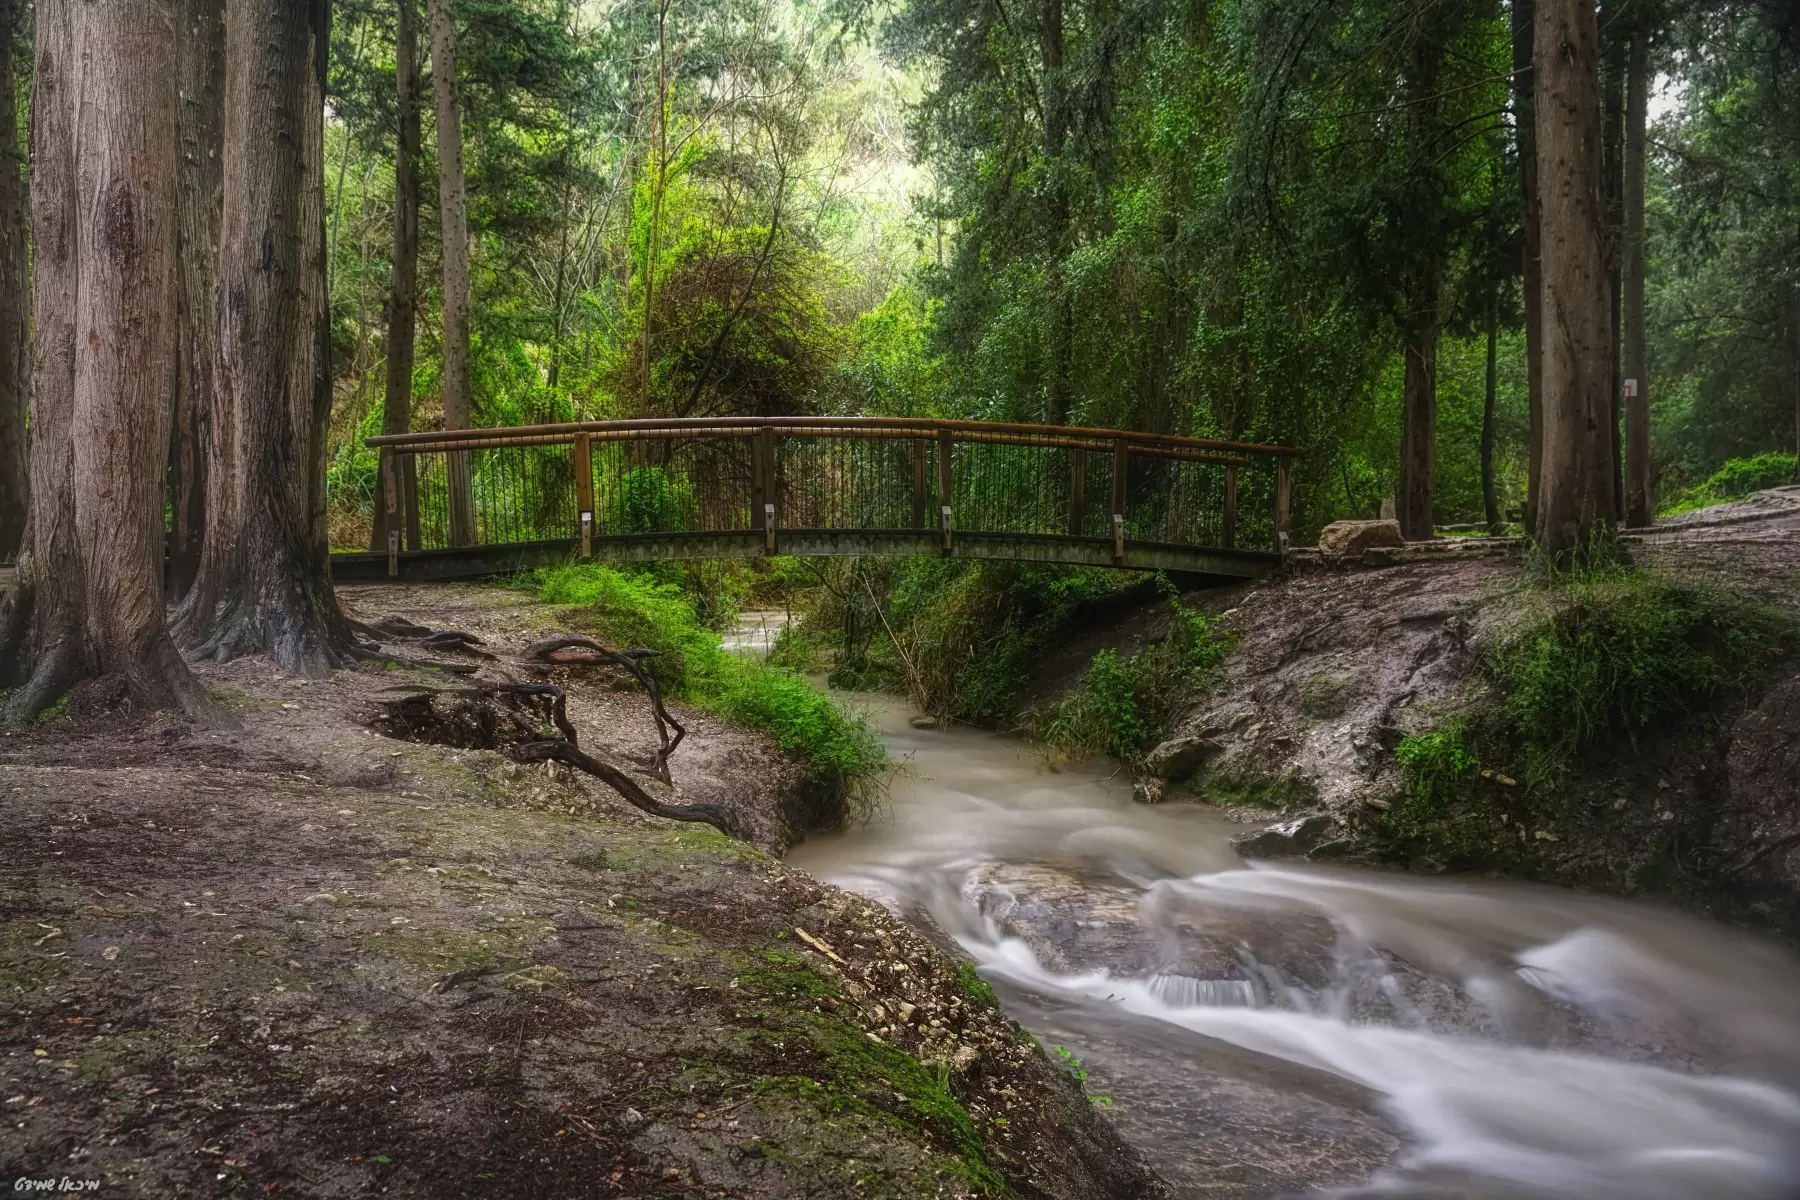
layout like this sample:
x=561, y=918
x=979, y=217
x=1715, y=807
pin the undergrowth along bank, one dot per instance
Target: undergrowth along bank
x=1597, y=656
x=1125, y=704
x=637, y=609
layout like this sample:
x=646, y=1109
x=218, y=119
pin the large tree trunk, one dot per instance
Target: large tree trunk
x=200, y=125
x=453, y=213
x=403, y=278
x=265, y=583
x=1490, y=498
x=1051, y=43
x=1418, y=421
x=15, y=294
x=89, y=595
x=1640, y=504
x=1576, y=496
x=1531, y=231
x=1613, y=46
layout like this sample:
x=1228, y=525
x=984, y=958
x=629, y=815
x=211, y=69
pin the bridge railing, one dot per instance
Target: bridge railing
x=604, y=483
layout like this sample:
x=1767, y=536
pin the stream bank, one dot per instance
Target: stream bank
x=303, y=959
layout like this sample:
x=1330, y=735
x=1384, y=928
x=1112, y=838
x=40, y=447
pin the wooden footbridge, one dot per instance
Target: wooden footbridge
x=473, y=502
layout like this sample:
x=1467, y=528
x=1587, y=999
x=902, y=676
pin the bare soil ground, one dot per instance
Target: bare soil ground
x=304, y=959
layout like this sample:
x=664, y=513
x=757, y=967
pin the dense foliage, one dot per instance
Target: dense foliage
x=634, y=610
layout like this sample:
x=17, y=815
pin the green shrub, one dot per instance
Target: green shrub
x=1123, y=706
x=1616, y=650
x=648, y=501
x=1735, y=479
x=631, y=610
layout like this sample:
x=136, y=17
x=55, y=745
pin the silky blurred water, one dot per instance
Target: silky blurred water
x=1270, y=1029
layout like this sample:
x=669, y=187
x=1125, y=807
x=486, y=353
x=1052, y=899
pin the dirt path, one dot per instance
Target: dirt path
x=303, y=959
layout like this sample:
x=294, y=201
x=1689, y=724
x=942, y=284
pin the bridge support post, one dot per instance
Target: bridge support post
x=1077, y=490
x=1284, y=502
x=1121, y=461
x=766, y=453
x=1228, y=534
x=584, y=491
x=945, y=442
x=390, y=498
x=920, y=448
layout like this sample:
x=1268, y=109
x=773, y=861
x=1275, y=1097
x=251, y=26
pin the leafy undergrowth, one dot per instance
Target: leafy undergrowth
x=1124, y=704
x=633, y=610
x=1604, y=658
x=1735, y=479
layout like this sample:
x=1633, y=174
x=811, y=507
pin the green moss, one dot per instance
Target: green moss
x=978, y=988
x=1324, y=696
x=1277, y=793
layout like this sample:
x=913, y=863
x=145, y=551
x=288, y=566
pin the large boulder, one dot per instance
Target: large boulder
x=1289, y=839
x=1353, y=537
x=1179, y=757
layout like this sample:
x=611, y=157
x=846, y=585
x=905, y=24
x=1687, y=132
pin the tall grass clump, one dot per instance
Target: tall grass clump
x=1596, y=657
x=1124, y=704
x=634, y=609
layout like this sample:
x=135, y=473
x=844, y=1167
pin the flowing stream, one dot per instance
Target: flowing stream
x=1276, y=1029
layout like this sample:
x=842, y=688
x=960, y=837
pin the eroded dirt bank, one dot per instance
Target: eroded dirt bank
x=1336, y=663
x=304, y=959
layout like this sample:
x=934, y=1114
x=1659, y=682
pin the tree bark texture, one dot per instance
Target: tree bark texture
x=1640, y=503
x=1531, y=235
x=403, y=278
x=199, y=175
x=264, y=584
x=453, y=213
x=1490, y=499
x=1613, y=46
x=1418, y=428
x=1576, y=494
x=89, y=595
x=1418, y=421
x=15, y=293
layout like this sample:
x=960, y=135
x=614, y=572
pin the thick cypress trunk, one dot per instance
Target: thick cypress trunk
x=1531, y=231
x=198, y=191
x=264, y=584
x=1575, y=499
x=89, y=596
x=1418, y=422
x=453, y=214
x=15, y=294
x=1640, y=503
x=1490, y=499
x=403, y=278
x=1612, y=138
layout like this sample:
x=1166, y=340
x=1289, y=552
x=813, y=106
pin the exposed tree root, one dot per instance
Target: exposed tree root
x=633, y=661
x=517, y=719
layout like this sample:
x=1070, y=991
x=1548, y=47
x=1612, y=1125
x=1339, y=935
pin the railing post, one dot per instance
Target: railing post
x=756, y=481
x=1077, y=490
x=1228, y=537
x=945, y=442
x=1121, y=458
x=920, y=447
x=390, y=496
x=1284, y=486
x=771, y=497
x=584, y=491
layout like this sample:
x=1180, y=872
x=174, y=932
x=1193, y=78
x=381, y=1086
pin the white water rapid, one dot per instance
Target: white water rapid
x=1268, y=1029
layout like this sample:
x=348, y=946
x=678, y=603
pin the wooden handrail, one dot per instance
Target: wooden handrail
x=1073, y=436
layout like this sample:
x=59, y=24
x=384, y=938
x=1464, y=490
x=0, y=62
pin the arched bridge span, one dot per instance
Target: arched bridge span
x=472, y=502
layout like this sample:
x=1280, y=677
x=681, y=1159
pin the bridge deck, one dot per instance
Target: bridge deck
x=469, y=503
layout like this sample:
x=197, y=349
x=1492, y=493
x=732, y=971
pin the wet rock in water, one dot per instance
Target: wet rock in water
x=1147, y=789
x=923, y=722
x=1336, y=848
x=1287, y=839
x=1354, y=537
x=1179, y=757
